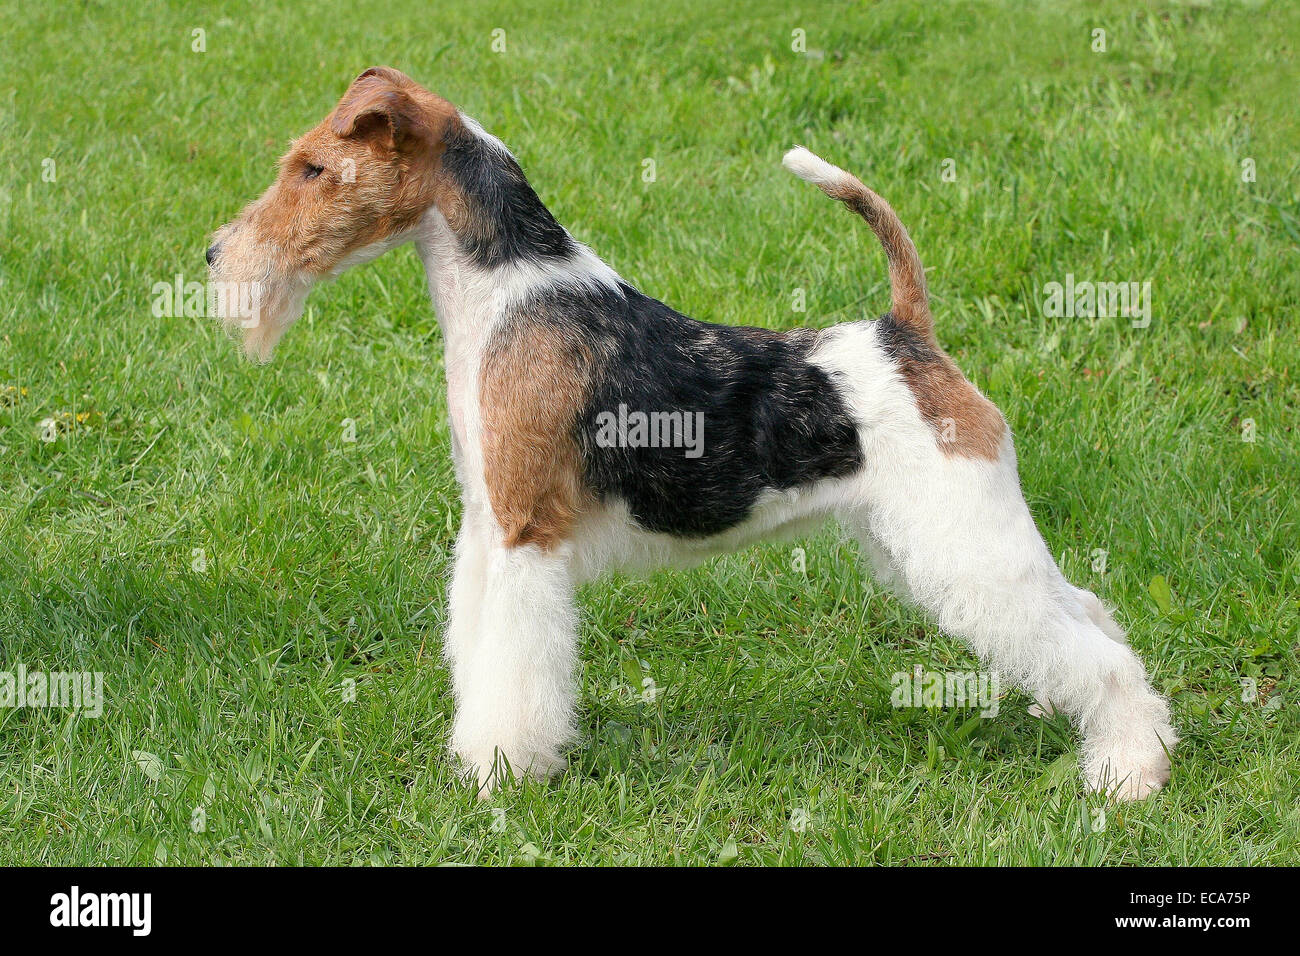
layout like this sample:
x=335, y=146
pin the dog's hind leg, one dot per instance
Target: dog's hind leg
x=938, y=497
x=961, y=537
x=1096, y=612
x=515, y=683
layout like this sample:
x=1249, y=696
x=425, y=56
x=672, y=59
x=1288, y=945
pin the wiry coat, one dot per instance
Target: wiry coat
x=868, y=423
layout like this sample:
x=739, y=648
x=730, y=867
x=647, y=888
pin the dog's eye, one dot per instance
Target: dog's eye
x=311, y=172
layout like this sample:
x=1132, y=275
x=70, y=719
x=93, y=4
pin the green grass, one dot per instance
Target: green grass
x=326, y=560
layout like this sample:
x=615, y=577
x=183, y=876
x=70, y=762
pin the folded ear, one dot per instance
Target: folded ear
x=380, y=103
x=396, y=77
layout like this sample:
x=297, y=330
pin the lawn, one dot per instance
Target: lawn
x=255, y=558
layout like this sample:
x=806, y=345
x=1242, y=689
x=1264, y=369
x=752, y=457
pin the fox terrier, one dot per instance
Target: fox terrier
x=570, y=395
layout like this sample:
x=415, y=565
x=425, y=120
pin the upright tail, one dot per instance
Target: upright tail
x=906, y=276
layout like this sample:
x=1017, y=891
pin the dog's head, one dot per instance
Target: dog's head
x=347, y=191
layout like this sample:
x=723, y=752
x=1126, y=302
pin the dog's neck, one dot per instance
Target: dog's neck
x=504, y=248
x=459, y=289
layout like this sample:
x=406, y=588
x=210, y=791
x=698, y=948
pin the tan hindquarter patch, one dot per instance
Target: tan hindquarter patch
x=964, y=421
x=531, y=389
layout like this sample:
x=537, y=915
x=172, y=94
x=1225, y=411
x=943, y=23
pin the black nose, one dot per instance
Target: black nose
x=212, y=253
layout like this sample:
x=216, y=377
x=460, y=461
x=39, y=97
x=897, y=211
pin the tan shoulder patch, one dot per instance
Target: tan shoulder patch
x=532, y=388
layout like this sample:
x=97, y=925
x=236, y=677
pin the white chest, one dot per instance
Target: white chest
x=467, y=311
x=470, y=301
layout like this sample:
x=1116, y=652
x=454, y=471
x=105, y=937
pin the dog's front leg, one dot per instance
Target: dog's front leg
x=465, y=595
x=515, y=680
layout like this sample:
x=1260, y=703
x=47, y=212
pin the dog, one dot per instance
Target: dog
x=570, y=395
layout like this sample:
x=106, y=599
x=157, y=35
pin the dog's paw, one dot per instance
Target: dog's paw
x=1131, y=769
x=491, y=771
x=1127, y=742
x=1128, y=785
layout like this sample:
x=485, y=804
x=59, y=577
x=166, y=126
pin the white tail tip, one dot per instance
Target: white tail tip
x=811, y=167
